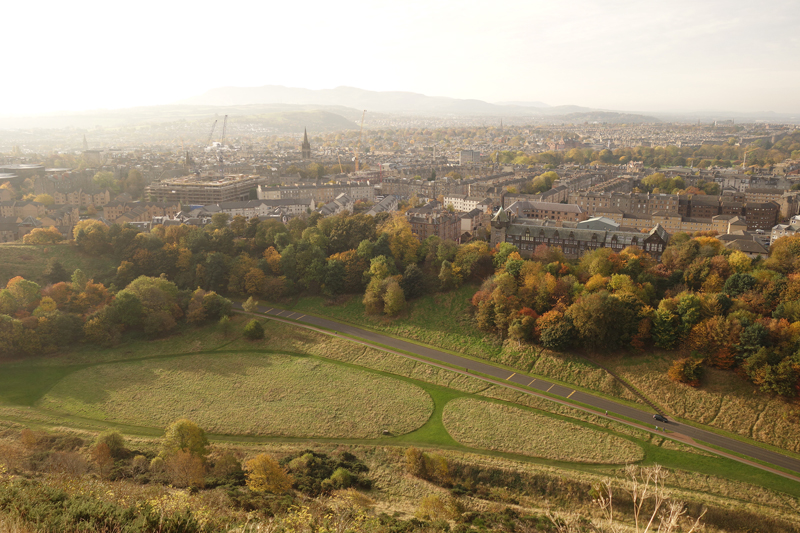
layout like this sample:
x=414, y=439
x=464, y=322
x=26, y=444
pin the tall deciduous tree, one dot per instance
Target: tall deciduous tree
x=264, y=474
x=184, y=435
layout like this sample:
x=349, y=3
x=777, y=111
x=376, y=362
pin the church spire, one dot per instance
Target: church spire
x=306, y=148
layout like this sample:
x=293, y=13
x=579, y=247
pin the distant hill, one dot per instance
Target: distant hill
x=524, y=104
x=285, y=118
x=294, y=121
x=380, y=101
x=609, y=117
x=405, y=103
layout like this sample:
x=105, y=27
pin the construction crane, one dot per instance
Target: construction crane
x=211, y=135
x=360, y=132
x=224, y=127
x=744, y=163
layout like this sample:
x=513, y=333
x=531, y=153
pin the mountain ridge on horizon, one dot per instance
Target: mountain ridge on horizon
x=380, y=101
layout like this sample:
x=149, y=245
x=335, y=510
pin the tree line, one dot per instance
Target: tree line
x=713, y=305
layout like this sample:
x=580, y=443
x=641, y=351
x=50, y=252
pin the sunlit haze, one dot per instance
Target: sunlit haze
x=623, y=55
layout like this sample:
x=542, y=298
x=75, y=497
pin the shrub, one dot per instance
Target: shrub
x=264, y=474
x=114, y=441
x=157, y=465
x=686, y=370
x=254, y=330
x=186, y=469
x=225, y=326
x=250, y=305
x=140, y=464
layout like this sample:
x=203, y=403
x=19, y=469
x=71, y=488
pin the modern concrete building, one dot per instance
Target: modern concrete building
x=196, y=190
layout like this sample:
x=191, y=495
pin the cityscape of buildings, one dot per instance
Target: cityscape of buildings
x=452, y=182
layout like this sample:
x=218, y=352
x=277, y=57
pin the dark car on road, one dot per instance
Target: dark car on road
x=661, y=418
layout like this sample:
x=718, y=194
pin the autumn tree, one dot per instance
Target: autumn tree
x=101, y=455
x=49, y=235
x=686, y=370
x=185, y=469
x=186, y=436
x=394, y=300
x=264, y=474
x=250, y=305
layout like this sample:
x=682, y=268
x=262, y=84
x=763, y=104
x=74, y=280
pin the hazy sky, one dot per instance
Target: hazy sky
x=737, y=55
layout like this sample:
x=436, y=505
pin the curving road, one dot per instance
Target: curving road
x=511, y=379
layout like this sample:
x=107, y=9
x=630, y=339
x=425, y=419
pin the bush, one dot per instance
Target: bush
x=254, y=330
x=686, y=370
x=115, y=443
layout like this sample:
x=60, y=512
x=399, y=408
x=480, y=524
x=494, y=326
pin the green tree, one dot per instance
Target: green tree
x=55, y=272
x=134, y=184
x=254, y=330
x=250, y=305
x=114, y=441
x=219, y=221
x=184, y=436
x=394, y=300
x=595, y=317
x=413, y=282
x=105, y=180
x=26, y=293
x=225, y=326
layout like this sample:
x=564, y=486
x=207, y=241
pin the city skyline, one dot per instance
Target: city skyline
x=621, y=55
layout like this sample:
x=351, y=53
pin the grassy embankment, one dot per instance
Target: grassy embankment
x=283, y=386
x=31, y=261
x=724, y=401
x=444, y=321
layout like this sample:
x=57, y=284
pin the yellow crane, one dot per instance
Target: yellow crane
x=360, y=132
x=744, y=163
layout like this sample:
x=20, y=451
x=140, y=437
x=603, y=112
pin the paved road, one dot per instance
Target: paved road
x=600, y=403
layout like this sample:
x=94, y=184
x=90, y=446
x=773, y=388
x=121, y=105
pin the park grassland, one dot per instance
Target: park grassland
x=31, y=260
x=724, y=400
x=444, y=321
x=244, y=394
x=481, y=424
x=220, y=380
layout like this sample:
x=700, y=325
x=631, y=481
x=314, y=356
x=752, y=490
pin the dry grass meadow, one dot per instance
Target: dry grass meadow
x=244, y=394
x=724, y=400
x=492, y=426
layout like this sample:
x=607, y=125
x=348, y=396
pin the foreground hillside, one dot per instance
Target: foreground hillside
x=459, y=453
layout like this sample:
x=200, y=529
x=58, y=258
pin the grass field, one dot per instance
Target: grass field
x=493, y=426
x=206, y=366
x=724, y=400
x=437, y=319
x=244, y=394
x=30, y=261
x=444, y=321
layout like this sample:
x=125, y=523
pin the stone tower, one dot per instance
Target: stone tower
x=306, y=148
x=500, y=224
